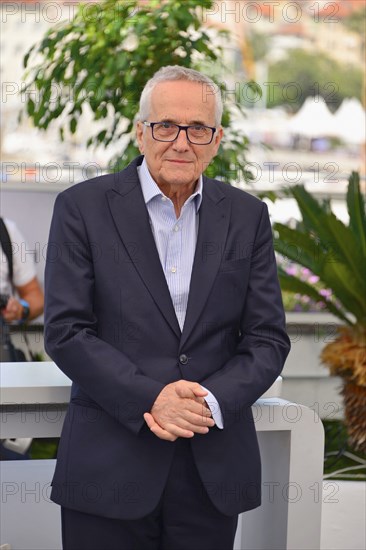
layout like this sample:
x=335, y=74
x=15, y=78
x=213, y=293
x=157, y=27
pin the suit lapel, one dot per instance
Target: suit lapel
x=212, y=234
x=131, y=218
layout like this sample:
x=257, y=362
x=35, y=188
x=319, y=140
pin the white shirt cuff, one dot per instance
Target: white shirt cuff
x=214, y=408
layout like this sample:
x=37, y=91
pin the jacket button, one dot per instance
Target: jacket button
x=183, y=359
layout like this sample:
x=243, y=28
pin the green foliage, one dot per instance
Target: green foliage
x=356, y=21
x=333, y=251
x=260, y=44
x=101, y=60
x=303, y=74
x=340, y=460
x=45, y=448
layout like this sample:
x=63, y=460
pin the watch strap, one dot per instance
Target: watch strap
x=26, y=310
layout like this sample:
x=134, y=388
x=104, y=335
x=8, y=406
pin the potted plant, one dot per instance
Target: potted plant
x=336, y=254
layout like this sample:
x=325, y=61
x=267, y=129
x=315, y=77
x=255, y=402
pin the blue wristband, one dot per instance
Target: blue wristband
x=26, y=311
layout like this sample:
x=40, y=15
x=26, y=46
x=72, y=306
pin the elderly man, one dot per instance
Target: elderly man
x=163, y=307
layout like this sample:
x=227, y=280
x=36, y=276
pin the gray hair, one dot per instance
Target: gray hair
x=175, y=72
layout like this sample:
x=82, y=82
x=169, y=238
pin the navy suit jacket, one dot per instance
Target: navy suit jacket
x=111, y=327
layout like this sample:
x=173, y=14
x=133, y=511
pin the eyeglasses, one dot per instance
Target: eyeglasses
x=167, y=131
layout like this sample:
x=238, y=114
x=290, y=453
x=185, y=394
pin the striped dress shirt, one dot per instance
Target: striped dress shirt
x=175, y=240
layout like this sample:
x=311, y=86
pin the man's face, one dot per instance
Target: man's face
x=179, y=162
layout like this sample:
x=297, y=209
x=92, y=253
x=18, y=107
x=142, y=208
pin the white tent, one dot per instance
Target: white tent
x=351, y=122
x=313, y=120
x=268, y=125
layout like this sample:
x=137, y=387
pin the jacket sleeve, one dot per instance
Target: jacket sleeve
x=103, y=372
x=264, y=344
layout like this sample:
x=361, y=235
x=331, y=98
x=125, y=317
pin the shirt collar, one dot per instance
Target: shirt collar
x=150, y=188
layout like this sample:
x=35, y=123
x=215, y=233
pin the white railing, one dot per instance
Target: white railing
x=33, y=401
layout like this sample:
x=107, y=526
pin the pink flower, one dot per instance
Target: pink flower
x=325, y=292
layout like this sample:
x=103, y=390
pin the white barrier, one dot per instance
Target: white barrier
x=33, y=401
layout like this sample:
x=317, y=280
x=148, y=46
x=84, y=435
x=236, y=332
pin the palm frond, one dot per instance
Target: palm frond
x=330, y=249
x=341, y=281
x=296, y=285
x=356, y=210
x=332, y=233
x=297, y=246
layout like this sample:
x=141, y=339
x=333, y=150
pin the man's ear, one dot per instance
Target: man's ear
x=139, y=136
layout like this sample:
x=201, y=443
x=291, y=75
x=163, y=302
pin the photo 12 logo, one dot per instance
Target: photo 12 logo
x=67, y=172
x=54, y=12
x=271, y=11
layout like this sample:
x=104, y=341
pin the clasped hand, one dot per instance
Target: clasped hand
x=180, y=411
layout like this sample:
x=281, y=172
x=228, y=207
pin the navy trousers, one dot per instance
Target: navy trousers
x=185, y=518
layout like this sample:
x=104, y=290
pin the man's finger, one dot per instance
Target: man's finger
x=199, y=420
x=149, y=419
x=182, y=427
x=172, y=431
x=158, y=430
x=190, y=391
x=189, y=407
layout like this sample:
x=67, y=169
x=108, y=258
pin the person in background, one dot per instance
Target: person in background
x=22, y=296
x=21, y=299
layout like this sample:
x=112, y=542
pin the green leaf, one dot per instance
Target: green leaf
x=329, y=229
x=30, y=106
x=255, y=88
x=356, y=210
x=270, y=195
x=101, y=135
x=26, y=57
x=298, y=246
x=295, y=285
x=73, y=125
x=343, y=283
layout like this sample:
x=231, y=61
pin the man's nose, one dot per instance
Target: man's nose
x=181, y=143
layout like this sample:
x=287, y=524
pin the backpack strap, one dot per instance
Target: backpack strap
x=7, y=248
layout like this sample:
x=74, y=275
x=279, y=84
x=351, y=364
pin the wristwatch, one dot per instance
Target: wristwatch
x=26, y=311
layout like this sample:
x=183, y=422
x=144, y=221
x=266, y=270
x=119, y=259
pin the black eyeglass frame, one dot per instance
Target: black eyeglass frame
x=180, y=128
